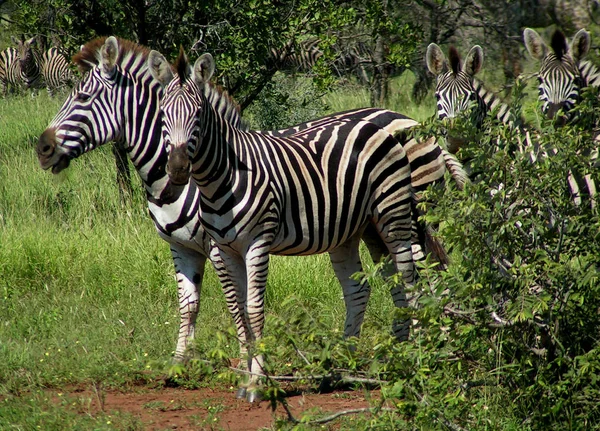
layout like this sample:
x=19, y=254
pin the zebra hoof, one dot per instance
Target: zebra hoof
x=241, y=393
x=254, y=396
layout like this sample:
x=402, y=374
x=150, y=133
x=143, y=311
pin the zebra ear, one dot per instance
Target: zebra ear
x=31, y=41
x=160, y=68
x=435, y=59
x=536, y=47
x=474, y=60
x=109, y=53
x=204, y=68
x=580, y=45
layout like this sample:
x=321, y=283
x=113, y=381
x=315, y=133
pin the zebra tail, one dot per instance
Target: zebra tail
x=456, y=169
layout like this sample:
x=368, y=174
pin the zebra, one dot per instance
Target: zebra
x=311, y=192
x=49, y=68
x=563, y=72
x=10, y=71
x=103, y=99
x=55, y=70
x=30, y=59
x=457, y=89
x=301, y=59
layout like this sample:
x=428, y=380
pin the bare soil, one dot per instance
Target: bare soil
x=211, y=408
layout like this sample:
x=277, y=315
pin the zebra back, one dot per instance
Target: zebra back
x=55, y=69
x=10, y=70
x=297, y=59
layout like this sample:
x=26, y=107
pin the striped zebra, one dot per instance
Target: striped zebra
x=311, y=192
x=303, y=58
x=56, y=71
x=10, y=71
x=563, y=72
x=103, y=106
x=457, y=89
x=30, y=59
x=39, y=69
x=300, y=59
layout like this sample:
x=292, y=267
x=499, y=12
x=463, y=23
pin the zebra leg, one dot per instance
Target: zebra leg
x=395, y=230
x=346, y=261
x=123, y=172
x=189, y=270
x=236, y=269
x=233, y=299
x=378, y=249
x=252, y=275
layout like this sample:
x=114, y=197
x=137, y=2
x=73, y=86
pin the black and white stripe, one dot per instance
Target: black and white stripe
x=55, y=70
x=312, y=192
x=457, y=89
x=10, y=71
x=30, y=59
x=563, y=72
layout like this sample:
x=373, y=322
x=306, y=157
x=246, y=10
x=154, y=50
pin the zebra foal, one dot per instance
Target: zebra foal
x=312, y=192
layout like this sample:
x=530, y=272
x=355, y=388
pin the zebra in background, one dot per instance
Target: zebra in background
x=10, y=71
x=457, y=89
x=297, y=59
x=563, y=72
x=124, y=102
x=312, y=192
x=304, y=57
x=49, y=68
x=56, y=71
x=30, y=59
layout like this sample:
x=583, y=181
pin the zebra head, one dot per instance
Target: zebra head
x=454, y=89
x=559, y=77
x=93, y=113
x=29, y=60
x=182, y=105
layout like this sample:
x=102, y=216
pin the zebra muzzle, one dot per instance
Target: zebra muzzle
x=178, y=165
x=47, y=155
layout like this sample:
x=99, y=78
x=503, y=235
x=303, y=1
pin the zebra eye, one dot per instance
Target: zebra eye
x=83, y=97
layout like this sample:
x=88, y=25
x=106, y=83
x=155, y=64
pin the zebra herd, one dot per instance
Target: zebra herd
x=217, y=191
x=28, y=67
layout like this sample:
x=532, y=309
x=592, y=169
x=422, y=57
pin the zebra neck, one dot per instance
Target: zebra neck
x=143, y=140
x=215, y=162
x=224, y=105
x=31, y=69
x=589, y=74
x=490, y=103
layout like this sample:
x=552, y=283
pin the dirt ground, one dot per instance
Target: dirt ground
x=212, y=409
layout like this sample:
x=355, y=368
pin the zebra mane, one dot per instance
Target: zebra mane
x=559, y=44
x=182, y=66
x=454, y=58
x=224, y=104
x=89, y=56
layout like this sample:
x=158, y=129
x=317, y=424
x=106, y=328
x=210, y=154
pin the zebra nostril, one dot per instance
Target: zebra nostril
x=46, y=143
